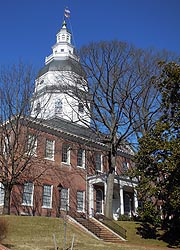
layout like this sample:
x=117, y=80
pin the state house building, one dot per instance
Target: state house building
x=69, y=165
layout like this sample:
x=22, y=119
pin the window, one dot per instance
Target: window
x=41, y=82
x=47, y=196
x=99, y=199
x=1, y=194
x=80, y=201
x=80, y=107
x=28, y=194
x=98, y=162
x=58, y=106
x=81, y=158
x=49, y=153
x=66, y=153
x=32, y=144
x=6, y=146
x=38, y=108
x=64, y=198
x=125, y=166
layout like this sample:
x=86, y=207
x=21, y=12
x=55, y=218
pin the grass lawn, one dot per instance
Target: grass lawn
x=36, y=233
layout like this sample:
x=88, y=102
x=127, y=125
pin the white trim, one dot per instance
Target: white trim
x=101, y=166
x=83, y=159
x=91, y=200
x=32, y=146
x=101, y=201
x=32, y=195
x=53, y=150
x=2, y=193
x=83, y=209
x=64, y=209
x=49, y=207
x=68, y=162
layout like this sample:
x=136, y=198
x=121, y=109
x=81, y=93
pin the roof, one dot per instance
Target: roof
x=70, y=127
x=68, y=64
x=79, y=134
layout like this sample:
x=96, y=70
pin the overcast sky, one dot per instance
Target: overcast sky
x=28, y=27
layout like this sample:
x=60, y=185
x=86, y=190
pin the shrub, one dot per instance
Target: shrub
x=3, y=228
x=124, y=217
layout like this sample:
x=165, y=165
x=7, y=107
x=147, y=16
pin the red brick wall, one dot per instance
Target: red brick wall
x=56, y=173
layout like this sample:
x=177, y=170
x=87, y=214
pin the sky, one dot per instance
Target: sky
x=28, y=27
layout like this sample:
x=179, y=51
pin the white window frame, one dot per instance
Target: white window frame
x=68, y=153
x=53, y=147
x=67, y=204
x=82, y=201
x=125, y=165
x=100, y=201
x=51, y=190
x=32, y=144
x=25, y=203
x=6, y=145
x=80, y=108
x=1, y=194
x=101, y=163
x=58, y=107
x=83, y=158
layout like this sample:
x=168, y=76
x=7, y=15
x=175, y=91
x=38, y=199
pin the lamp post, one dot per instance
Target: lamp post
x=65, y=226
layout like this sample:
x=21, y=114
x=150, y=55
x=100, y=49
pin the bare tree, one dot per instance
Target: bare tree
x=119, y=97
x=146, y=105
x=17, y=140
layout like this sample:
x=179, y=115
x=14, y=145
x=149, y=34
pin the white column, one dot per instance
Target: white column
x=105, y=191
x=91, y=200
x=121, y=201
x=135, y=201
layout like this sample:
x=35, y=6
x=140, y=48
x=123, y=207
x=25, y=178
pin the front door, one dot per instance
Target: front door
x=99, y=198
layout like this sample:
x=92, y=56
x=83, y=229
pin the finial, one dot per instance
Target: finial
x=64, y=25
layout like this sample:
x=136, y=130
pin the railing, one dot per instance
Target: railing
x=89, y=225
x=112, y=225
x=95, y=229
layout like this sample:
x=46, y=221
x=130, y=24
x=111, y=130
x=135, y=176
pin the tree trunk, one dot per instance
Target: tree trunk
x=7, y=199
x=110, y=186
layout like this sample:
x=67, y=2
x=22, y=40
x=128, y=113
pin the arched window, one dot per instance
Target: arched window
x=58, y=106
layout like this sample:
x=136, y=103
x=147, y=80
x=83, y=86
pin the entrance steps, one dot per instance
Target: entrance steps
x=100, y=230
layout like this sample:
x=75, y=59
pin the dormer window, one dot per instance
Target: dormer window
x=38, y=108
x=125, y=166
x=58, y=106
x=80, y=107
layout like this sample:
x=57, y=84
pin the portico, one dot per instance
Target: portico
x=124, y=195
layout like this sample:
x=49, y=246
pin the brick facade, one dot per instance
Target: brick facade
x=60, y=175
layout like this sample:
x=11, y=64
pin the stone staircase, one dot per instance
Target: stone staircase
x=100, y=230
